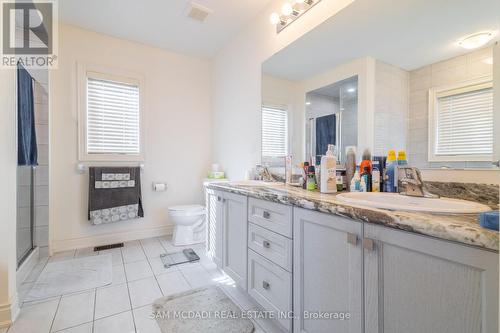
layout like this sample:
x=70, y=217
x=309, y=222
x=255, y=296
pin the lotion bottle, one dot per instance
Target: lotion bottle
x=328, y=172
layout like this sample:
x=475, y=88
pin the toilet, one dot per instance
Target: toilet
x=189, y=221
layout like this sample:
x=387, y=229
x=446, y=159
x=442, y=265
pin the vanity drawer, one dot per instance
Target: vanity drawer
x=271, y=286
x=270, y=215
x=271, y=245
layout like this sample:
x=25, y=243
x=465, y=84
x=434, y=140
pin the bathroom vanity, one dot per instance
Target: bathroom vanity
x=388, y=271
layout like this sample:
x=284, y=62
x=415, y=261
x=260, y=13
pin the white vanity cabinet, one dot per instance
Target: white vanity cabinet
x=416, y=284
x=234, y=248
x=227, y=233
x=327, y=263
x=214, y=214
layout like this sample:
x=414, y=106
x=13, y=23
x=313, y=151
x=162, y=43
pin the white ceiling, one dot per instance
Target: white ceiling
x=406, y=33
x=163, y=23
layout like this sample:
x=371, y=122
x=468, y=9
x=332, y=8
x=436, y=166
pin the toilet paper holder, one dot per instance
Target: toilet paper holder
x=159, y=187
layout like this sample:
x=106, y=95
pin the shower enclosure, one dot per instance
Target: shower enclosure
x=25, y=212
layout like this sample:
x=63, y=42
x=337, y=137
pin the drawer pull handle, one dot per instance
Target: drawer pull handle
x=368, y=244
x=266, y=214
x=266, y=244
x=266, y=285
x=352, y=239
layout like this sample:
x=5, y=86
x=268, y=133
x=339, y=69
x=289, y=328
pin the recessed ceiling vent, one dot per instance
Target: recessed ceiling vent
x=198, y=12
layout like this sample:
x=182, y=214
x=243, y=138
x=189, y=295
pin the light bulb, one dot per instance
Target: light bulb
x=476, y=40
x=275, y=18
x=287, y=9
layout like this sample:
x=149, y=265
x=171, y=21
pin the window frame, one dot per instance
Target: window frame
x=437, y=92
x=110, y=74
x=273, y=160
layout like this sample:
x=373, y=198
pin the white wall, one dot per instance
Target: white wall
x=177, y=136
x=8, y=166
x=237, y=84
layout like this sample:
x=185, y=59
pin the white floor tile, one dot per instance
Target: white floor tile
x=143, y=292
x=88, y=251
x=118, y=275
x=85, y=328
x=152, y=247
x=64, y=255
x=138, y=270
x=197, y=276
x=132, y=243
x=74, y=310
x=120, y=323
x=159, y=268
x=172, y=283
x=241, y=298
x=143, y=321
x=116, y=255
x=111, y=300
x=35, y=318
x=23, y=290
x=133, y=253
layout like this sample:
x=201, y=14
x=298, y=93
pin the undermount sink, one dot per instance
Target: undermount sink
x=395, y=201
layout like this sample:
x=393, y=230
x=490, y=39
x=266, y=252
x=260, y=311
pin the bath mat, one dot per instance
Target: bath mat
x=182, y=313
x=69, y=276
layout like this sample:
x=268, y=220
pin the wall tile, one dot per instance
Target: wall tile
x=42, y=175
x=43, y=154
x=41, y=114
x=42, y=236
x=42, y=195
x=42, y=216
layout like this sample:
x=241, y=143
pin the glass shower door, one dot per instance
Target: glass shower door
x=25, y=212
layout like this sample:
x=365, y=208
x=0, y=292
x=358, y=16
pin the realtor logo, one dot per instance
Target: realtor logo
x=28, y=34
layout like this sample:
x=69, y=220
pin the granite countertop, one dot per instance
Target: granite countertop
x=463, y=229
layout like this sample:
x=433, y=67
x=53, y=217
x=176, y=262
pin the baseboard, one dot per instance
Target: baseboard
x=9, y=313
x=117, y=237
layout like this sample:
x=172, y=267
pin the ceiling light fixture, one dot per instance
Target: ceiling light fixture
x=351, y=90
x=476, y=40
x=290, y=11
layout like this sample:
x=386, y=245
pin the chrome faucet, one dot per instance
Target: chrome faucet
x=410, y=182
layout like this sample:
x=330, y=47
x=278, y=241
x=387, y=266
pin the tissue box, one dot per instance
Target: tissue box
x=489, y=220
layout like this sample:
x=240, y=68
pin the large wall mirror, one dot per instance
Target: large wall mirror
x=387, y=81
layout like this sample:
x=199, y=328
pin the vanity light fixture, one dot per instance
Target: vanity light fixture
x=290, y=11
x=476, y=40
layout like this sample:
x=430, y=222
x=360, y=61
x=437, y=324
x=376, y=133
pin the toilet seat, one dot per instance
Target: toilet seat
x=186, y=210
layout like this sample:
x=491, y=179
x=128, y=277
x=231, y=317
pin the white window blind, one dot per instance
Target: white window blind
x=465, y=122
x=113, y=118
x=274, y=132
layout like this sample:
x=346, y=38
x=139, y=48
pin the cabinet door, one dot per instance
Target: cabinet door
x=327, y=275
x=235, y=238
x=214, y=225
x=416, y=284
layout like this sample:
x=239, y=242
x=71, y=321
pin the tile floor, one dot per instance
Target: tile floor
x=139, y=278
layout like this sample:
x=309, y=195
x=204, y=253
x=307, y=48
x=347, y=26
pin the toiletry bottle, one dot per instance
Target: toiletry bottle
x=350, y=166
x=328, y=173
x=305, y=168
x=375, y=176
x=367, y=178
x=402, y=158
x=311, y=178
x=288, y=169
x=363, y=185
x=366, y=161
x=381, y=160
x=389, y=171
x=356, y=182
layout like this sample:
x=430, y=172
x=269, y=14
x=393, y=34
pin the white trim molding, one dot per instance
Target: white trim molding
x=109, y=238
x=112, y=74
x=9, y=313
x=437, y=92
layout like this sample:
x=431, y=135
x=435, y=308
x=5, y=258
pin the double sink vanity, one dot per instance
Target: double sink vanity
x=345, y=266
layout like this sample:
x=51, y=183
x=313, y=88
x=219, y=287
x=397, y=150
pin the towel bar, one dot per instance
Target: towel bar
x=82, y=168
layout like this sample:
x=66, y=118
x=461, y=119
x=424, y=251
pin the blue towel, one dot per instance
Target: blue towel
x=27, y=153
x=489, y=220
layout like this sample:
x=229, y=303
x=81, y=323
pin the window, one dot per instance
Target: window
x=274, y=133
x=110, y=117
x=461, y=122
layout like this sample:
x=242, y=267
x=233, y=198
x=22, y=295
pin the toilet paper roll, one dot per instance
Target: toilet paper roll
x=159, y=187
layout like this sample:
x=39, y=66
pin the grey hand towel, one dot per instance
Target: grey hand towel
x=114, y=194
